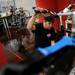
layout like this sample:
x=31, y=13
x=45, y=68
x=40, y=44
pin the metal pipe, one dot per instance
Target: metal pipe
x=5, y=27
x=9, y=33
x=66, y=13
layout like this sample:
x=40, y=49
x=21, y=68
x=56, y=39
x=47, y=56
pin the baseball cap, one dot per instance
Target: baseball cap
x=49, y=18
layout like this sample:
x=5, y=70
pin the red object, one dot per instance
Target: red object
x=48, y=4
x=3, y=57
x=56, y=24
x=54, y=5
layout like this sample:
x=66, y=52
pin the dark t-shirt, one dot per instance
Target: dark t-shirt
x=41, y=36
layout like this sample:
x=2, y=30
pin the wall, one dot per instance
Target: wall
x=26, y=4
x=5, y=5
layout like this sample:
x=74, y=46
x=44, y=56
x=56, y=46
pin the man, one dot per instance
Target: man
x=69, y=24
x=44, y=32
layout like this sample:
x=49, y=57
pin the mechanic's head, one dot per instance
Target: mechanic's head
x=48, y=23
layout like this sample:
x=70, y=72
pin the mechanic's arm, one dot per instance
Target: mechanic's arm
x=53, y=37
x=31, y=21
x=52, y=42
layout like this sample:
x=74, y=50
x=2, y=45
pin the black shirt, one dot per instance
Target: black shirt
x=41, y=36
